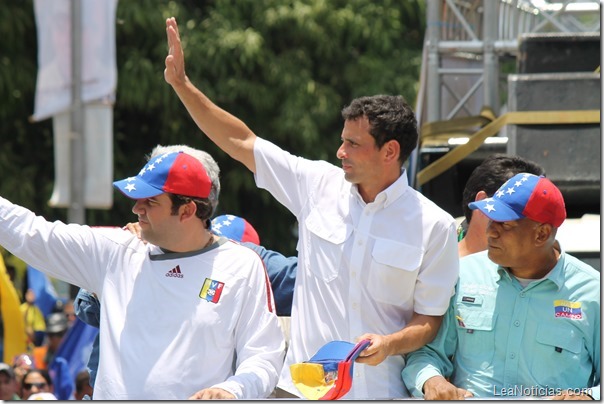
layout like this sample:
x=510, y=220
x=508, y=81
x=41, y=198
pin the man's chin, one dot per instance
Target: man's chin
x=494, y=255
x=146, y=236
x=350, y=178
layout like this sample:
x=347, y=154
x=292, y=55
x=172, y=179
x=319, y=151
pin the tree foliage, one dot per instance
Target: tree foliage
x=286, y=68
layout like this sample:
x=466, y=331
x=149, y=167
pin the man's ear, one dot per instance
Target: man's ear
x=392, y=150
x=188, y=211
x=543, y=233
x=480, y=196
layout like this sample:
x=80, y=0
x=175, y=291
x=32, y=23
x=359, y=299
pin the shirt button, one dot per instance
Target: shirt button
x=512, y=355
x=522, y=294
x=355, y=306
x=360, y=242
x=517, y=323
x=353, y=274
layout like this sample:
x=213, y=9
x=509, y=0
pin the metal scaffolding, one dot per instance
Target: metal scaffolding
x=467, y=39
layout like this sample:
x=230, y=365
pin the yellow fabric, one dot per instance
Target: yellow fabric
x=33, y=317
x=491, y=128
x=15, y=339
x=309, y=378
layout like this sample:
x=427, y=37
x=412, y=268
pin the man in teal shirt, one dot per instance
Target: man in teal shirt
x=525, y=317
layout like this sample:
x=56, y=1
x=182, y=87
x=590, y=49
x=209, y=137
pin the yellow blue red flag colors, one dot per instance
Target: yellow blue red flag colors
x=568, y=309
x=15, y=339
x=328, y=374
x=211, y=290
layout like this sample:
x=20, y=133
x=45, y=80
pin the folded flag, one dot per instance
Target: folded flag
x=328, y=374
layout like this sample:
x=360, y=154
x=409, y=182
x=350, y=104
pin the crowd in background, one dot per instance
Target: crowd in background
x=47, y=368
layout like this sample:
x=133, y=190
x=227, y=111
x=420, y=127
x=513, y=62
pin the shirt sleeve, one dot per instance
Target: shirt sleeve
x=260, y=346
x=68, y=252
x=290, y=179
x=439, y=271
x=282, y=274
x=595, y=390
x=433, y=359
x=87, y=308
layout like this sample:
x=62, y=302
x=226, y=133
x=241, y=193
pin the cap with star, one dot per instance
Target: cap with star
x=175, y=172
x=235, y=228
x=525, y=195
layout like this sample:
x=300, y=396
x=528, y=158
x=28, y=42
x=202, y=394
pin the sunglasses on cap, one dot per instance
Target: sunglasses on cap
x=28, y=386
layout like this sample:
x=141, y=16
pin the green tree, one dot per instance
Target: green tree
x=286, y=68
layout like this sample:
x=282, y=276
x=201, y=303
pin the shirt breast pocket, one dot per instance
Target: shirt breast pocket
x=325, y=243
x=476, y=336
x=394, y=269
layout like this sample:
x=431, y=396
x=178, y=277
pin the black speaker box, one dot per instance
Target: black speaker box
x=558, y=52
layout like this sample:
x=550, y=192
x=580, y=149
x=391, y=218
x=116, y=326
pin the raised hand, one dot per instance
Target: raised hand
x=175, y=61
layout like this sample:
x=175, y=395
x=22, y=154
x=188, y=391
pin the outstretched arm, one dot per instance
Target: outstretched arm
x=227, y=131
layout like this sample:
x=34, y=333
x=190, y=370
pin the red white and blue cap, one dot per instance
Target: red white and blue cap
x=176, y=173
x=525, y=196
x=235, y=228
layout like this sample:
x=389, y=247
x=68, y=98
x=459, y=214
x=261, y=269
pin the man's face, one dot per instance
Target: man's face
x=155, y=218
x=8, y=387
x=361, y=159
x=511, y=244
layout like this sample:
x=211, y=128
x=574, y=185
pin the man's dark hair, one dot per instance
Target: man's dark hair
x=390, y=118
x=204, y=207
x=492, y=173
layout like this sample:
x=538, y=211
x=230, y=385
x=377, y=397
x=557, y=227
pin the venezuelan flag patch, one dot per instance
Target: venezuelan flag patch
x=211, y=290
x=568, y=309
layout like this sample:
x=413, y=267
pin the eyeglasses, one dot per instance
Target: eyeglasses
x=28, y=386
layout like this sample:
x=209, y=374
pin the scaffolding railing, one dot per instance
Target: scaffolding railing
x=466, y=39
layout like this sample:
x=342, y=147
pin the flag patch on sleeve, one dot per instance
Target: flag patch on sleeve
x=211, y=290
x=568, y=309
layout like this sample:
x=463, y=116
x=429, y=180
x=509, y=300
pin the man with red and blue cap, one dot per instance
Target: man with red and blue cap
x=525, y=318
x=281, y=270
x=185, y=314
x=235, y=228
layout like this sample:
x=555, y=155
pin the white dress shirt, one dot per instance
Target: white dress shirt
x=362, y=268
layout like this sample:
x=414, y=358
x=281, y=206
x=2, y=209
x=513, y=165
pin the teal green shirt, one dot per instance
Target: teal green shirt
x=498, y=339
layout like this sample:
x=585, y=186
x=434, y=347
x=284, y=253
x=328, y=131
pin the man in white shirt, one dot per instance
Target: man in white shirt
x=377, y=260
x=186, y=315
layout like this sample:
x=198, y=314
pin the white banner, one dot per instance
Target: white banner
x=98, y=129
x=99, y=70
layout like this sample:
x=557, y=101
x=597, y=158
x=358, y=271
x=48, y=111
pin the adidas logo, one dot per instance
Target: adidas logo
x=175, y=272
